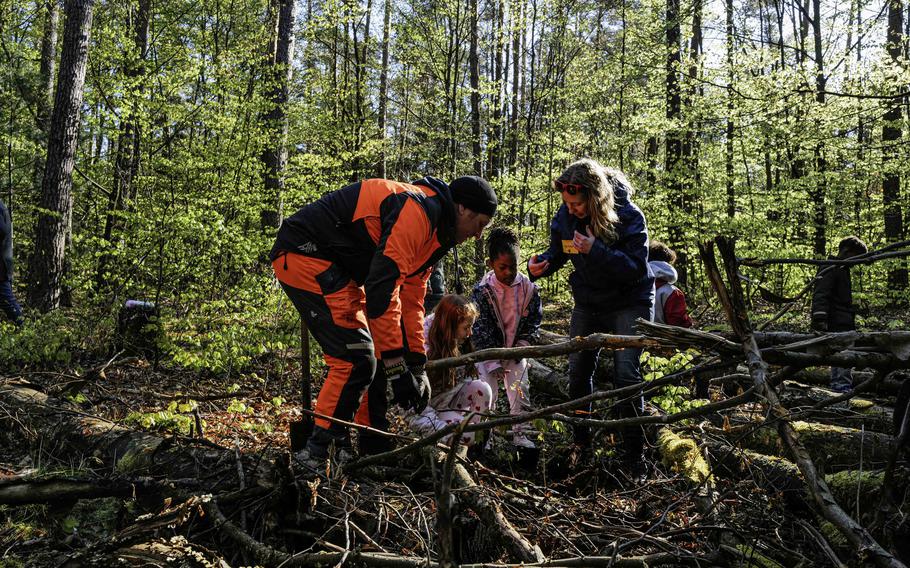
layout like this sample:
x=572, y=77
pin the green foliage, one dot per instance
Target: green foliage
x=671, y=398
x=592, y=81
x=173, y=419
x=46, y=340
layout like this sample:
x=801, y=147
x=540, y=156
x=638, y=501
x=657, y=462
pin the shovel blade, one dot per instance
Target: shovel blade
x=300, y=432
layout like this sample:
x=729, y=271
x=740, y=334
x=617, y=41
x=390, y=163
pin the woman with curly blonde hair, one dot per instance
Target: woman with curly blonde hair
x=605, y=236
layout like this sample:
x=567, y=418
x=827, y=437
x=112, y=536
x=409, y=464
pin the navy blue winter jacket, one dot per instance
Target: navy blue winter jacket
x=609, y=277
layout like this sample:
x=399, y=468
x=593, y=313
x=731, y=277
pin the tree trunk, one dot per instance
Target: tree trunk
x=474, y=62
x=891, y=135
x=494, y=144
x=126, y=165
x=384, y=87
x=517, y=27
x=275, y=157
x=45, y=97
x=728, y=154
x=674, y=166
x=690, y=183
x=47, y=266
x=821, y=166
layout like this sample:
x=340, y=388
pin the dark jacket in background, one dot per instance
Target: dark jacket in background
x=436, y=288
x=609, y=277
x=6, y=244
x=832, y=300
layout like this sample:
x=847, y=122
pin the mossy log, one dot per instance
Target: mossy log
x=68, y=434
x=859, y=412
x=773, y=473
x=837, y=447
x=683, y=456
x=864, y=488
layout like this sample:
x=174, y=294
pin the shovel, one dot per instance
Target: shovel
x=302, y=429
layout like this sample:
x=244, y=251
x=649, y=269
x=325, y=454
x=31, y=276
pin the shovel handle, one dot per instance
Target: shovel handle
x=306, y=374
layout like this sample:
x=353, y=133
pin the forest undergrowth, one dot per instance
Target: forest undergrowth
x=748, y=509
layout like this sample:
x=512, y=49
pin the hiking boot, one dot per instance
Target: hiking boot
x=321, y=461
x=311, y=462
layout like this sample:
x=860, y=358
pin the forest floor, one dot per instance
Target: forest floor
x=752, y=510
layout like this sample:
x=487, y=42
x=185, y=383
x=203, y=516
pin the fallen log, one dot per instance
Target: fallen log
x=856, y=413
x=821, y=376
x=682, y=455
x=547, y=381
x=773, y=473
x=837, y=447
x=32, y=490
x=65, y=432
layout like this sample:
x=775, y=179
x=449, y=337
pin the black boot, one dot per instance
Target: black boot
x=371, y=444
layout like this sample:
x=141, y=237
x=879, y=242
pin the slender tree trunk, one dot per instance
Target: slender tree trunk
x=47, y=70
x=44, y=97
x=384, y=87
x=728, y=153
x=126, y=163
x=622, y=86
x=517, y=30
x=494, y=145
x=891, y=136
x=821, y=166
x=689, y=150
x=48, y=261
x=474, y=62
x=674, y=167
x=275, y=156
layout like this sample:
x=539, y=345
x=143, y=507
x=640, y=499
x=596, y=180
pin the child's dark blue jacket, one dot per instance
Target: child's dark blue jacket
x=609, y=277
x=488, y=328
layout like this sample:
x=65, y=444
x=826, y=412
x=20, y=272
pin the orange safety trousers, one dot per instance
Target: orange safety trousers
x=334, y=308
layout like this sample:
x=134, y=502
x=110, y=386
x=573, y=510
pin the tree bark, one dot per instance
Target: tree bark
x=674, y=164
x=384, y=88
x=47, y=69
x=474, y=62
x=48, y=261
x=892, y=133
x=275, y=156
x=126, y=165
x=821, y=165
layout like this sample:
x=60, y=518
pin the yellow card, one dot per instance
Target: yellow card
x=568, y=247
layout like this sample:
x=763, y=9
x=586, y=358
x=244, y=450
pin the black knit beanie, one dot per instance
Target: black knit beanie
x=474, y=193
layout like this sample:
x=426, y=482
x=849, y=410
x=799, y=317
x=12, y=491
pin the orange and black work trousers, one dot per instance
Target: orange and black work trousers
x=334, y=308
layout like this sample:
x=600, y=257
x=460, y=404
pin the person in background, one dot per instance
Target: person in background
x=8, y=304
x=603, y=234
x=458, y=394
x=355, y=265
x=832, y=304
x=669, y=301
x=436, y=288
x=510, y=315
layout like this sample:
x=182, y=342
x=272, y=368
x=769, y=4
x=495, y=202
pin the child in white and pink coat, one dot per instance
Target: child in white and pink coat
x=510, y=315
x=455, y=394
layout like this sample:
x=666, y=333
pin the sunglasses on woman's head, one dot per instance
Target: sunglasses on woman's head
x=570, y=188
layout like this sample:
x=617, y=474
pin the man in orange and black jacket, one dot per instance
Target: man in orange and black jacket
x=355, y=263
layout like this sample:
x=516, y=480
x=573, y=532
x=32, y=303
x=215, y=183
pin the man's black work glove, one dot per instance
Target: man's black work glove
x=410, y=387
